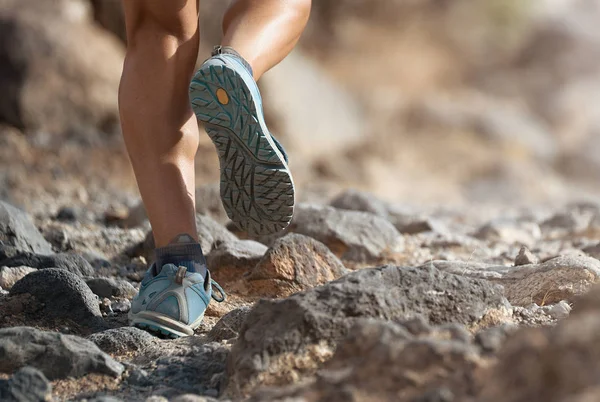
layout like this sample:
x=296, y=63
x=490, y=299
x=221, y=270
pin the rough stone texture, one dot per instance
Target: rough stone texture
x=525, y=257
x=510, y=231
x=111, y=287
x=54, y=354
x=229, y=261
x=64, y=296
x=295, y=262
x=210, y=234
x=550, y=364
x=17, y=230
x=73, y=263
x=38, y=76
x=26, y=385
x=355, y=200
x=560, y=278
x=123, y=340
x=10, y=275
x=229, y=326
x=385, y=362
x=276, y=329
x=351, y=235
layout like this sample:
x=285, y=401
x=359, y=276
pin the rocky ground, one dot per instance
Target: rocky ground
x=359, y=300
x=445, y=246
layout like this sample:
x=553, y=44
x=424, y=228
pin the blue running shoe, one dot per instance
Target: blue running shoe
x=257, y=189
x=173, y=302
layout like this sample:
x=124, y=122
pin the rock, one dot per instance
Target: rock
x=193, y=398
x=111, y=287
x=73, y=263
x=122, y=306
x=73, y=93
x=26, y=385
x=560, y=278
x=54, y=354
x=66, y=214
x=354, y=200
x=525, y=257
x=559, y=310
x=490, y=340
x=383, y=361
x=229, y=261
x=210, y=233
x=350, y=235
x=16, y=228
x=510, y=231
x=139, y=377
x=10, y=275
x=549, y=364
x=570, y=222
x=63, y=294
x=294, y=263
x=229, y=326
x=303, y=328
x=592, y=250
x=123, y=340
x=105, y=398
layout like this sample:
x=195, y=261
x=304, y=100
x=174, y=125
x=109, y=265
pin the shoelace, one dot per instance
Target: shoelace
x=218, y=287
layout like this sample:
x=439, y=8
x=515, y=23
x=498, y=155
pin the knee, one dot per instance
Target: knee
x=154, y=20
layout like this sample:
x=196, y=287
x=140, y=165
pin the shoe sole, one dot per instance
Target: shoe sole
x=257, y=189
x=161, y=324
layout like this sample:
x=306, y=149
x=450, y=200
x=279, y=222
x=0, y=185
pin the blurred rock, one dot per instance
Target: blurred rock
x=109, y=14
x=63, y=296
x=491, y=340
x=355, y=200
x=525, y=257
x=510, y=231
x=294, y=263
x=64, y=76
x=10, y=275
x=559, y=310
x=111, y=287
x=17, y=230
x=73, y=263
x=66, y=214
x=26, y=385
x=296, y=334
x=350, y=235
x=229, y=261
x=54, y=354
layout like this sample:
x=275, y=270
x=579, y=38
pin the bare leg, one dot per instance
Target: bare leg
x=160, y=130
x=264, y=31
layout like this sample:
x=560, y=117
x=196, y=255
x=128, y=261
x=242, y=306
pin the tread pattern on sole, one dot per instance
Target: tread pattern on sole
x=256, y=186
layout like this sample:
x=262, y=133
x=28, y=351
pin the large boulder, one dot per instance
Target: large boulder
x=299, y=332
x=61, y=76
x=73, y=263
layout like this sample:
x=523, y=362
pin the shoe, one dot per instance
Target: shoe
x=257, y=189
x=172, y=303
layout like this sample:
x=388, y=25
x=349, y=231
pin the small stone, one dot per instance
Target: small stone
x=121, y=306
x=66, y=214
x=156, y=398
x=229, y=261
x=10, y=275
x=560, y=310
x=64, y=296
x=510, y=231
x=54, y=354
x=106, y=306
x=17, y=230
x=229, y=326
x=193, y=398
x=139, y=377
x=525, y=257
x=26, y=385
x=111, y=287
x=105, y=398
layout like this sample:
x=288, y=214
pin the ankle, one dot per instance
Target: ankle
x=183, y=250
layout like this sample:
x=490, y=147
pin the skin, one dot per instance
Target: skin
x=160, y=130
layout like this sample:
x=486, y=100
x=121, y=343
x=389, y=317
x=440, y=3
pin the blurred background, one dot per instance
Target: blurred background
x=421, y=102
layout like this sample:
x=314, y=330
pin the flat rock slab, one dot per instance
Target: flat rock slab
x=561, y=278
x=71, y=262
x=278, y=328
x=64, y=296
x=17, y=230
x=54, y=354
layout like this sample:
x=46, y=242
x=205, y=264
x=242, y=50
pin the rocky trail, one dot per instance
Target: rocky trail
x=358, y=300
